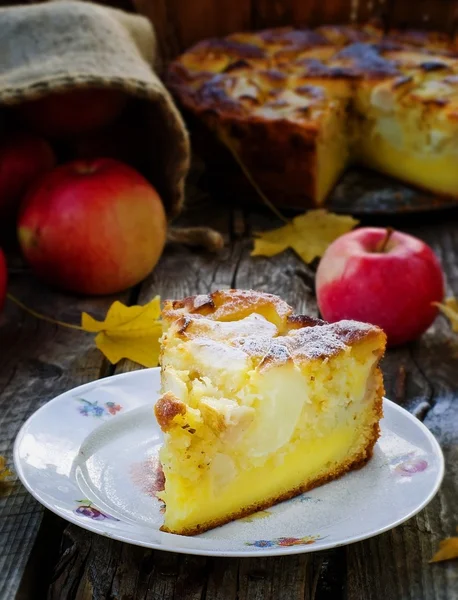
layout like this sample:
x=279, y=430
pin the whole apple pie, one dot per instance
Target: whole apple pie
x=299, y=106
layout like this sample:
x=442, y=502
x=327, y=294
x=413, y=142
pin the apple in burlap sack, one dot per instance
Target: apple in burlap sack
x=23, y=157
x=92, y=227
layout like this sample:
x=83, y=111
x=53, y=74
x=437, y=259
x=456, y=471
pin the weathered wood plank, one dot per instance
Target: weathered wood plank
x=194, y=22
x=282, y=577
x=170, y=576
x=363, y=11
x=179, y=23
x=180, y=272
x=316, y=12
x=38, y=360
x=161, y=16
x=287, y=276
x=439, y=16
x=388, y=566
x=395, y=564
x=268, y=13
x=223, y=580
x=271, y=13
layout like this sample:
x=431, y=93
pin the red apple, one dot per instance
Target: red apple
x=383, y=277
x=92, y=227
x=3, y=279
x=72, y=113
x=22, y=158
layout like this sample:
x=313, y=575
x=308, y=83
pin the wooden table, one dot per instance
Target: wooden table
x=42, y=556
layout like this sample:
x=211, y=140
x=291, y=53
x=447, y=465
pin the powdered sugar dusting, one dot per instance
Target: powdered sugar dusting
x=232, y=320
x=315, y=342
x=327, y=340
x=307, y=343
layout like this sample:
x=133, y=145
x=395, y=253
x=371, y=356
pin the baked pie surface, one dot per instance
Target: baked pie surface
x=259, y=404
x=300, y=106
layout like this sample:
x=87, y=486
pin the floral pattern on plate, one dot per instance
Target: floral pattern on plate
x=94, y=409
x=304, y=498
x=87, y=509
x=408, y=464
x=59, y=459
x=285, y=542
x=411, y=467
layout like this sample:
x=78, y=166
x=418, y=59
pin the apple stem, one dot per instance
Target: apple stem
x=383, y=244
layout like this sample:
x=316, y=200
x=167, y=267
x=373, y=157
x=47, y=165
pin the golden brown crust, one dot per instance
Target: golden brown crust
x=226, y=305
x=229, y=76
x=278, y=89
x=297, y=338
x=298, y=321
x=354, y=462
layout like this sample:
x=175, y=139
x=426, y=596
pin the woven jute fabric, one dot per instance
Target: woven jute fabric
x=63, y=45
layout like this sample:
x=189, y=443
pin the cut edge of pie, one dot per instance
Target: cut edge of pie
x=259, y=405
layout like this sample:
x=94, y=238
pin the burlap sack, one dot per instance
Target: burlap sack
x=63, y=45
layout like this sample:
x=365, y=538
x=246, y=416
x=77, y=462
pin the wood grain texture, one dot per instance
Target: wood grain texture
x=135, y=573
x=317, y=12
x=285, y=274
x=271, y=13
x=363, y=11
x=395, y=564
x=440, y=15
x=165, y=26
x=38, y=360
x=180, y=23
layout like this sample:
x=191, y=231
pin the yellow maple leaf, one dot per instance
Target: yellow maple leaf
x=308, y=235
x=448, y=549
x=131, y=332
x=450, y=310
x=4, y=471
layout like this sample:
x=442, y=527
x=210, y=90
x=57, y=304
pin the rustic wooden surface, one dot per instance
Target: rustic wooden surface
x=181, y=23
x=40, y=360
x=41, y=556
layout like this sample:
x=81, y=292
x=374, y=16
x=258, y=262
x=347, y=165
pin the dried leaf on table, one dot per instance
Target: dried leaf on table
x=450, y=310
x=131, y=332
x=4, y=471
x=308, y=235
x=448, y=549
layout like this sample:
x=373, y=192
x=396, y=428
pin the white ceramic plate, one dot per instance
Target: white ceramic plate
x=90, y=454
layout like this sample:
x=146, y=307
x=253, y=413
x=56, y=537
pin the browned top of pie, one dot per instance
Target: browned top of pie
x=298, y=74
x=261, y=326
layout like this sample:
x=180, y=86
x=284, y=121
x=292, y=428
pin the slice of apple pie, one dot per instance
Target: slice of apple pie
x=259, y=404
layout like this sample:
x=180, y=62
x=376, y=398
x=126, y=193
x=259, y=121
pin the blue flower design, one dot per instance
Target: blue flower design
x=285, y=542
x=262, y=543
x=308, y=499
x=93, y=409
x=87, y=509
